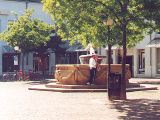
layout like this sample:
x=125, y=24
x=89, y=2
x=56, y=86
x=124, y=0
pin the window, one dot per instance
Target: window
x=27, y=59
x=15, y=60
x=158, y=60
x=141, y=61
x=40, y=63
x=8, y=62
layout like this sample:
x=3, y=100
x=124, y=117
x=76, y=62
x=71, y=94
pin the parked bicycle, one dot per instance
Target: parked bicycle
x=28, y=75
x=9, y=76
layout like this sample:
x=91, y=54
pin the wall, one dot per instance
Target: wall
x=12, y=7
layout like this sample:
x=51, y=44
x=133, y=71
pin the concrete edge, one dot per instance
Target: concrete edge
x=43, y=88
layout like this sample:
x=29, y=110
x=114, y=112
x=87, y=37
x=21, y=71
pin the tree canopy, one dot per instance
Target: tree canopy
x=152, y=14
x=27, y=33
x=82, y=20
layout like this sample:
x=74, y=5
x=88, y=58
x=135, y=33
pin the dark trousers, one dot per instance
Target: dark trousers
x=92, y=75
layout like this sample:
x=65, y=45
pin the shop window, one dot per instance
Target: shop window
x=40, y=64
x=8, y=62
x=27, y=59
x=15, y=59
x=141, y=61
x=158, y=60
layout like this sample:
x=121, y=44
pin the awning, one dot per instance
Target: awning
x=75, y=49
x=154, y=43
x=81, y=50
x=7, y=49
x=113, y=47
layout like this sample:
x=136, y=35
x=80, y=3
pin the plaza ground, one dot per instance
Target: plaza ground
x=19, y=103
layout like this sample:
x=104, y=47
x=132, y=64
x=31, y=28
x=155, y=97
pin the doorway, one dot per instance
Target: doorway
x=41, y=63
x=129, y=60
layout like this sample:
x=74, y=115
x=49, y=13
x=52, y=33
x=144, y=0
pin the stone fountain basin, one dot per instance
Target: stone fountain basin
x=78, y=74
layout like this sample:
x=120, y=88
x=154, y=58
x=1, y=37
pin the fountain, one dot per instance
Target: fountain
x=78, y=74
x=73, y=78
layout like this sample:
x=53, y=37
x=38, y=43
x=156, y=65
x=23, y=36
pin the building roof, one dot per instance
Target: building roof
x=37, y=1
x=154, y=43
x=2, y=43
x=77, y=48
x=113, y=47
x=5, y=48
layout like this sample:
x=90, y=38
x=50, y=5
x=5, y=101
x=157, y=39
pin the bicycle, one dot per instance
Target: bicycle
x=9, y=76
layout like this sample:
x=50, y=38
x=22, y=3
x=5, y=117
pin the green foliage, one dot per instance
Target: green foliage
x=27, y=33
x=151, y=11
x=82, y=20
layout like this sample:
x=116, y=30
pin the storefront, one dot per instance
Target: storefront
x=144, y=58
x=41, y=63
x=9, y=58
x=10, y=62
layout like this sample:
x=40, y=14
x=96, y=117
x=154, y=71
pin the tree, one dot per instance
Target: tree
x=27, y=33
x=82, y=20
x=151, y=10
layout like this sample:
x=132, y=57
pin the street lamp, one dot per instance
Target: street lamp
x=16, y=48
x=109, y=23
x=16, y=59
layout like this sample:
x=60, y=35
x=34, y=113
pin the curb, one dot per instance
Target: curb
x=44, y=88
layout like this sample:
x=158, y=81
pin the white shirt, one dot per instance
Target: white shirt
x=92, y=63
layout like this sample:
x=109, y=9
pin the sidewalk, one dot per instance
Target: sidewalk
x=18, y=103
x=145, y=80
x=133, y=86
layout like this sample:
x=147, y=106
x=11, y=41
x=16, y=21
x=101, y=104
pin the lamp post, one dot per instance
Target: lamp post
x=116, y=81
x=16, y=48
x=109, y=23
x=16, y=59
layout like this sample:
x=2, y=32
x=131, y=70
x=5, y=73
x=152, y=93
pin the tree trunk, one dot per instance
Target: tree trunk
x=43, y=64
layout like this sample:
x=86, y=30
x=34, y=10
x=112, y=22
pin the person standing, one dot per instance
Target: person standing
x=93, y=68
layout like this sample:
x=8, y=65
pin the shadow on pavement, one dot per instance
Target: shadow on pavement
x=138, y=109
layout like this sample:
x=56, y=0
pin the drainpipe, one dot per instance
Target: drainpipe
x=150, y=55
x=26, y=2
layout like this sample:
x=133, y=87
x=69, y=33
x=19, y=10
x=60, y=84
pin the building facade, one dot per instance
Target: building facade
x=9, y=11
x=144, y=58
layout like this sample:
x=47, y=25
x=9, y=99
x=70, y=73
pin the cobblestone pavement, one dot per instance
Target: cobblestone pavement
x=19, y=103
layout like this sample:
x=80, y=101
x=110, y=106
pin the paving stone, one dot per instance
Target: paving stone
x=19, y=103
